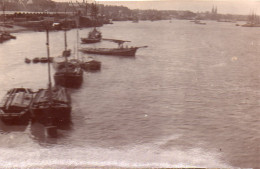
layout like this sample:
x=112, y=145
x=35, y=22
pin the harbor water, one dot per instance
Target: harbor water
x=191, y=99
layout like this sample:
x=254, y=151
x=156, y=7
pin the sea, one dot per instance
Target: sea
x=190, y=99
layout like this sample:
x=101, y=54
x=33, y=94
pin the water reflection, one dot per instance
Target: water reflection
x=7, y=128
x=39, y=133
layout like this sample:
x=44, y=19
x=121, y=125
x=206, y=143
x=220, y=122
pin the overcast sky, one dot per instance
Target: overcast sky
x=223, y=6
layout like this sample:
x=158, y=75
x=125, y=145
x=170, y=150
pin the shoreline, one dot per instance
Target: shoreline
x=14, y=29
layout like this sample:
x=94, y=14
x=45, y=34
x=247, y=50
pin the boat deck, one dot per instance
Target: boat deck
x=15, y=100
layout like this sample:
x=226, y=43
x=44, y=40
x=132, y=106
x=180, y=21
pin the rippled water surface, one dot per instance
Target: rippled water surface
x=191, y=99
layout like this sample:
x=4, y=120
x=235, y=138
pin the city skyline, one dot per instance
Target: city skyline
x=243, y=7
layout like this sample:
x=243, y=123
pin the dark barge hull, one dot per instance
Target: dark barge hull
x=112, y=51
x=69, y=79
x=13, y=118
x=14, y=108
x=52, y=112
x=51, y=115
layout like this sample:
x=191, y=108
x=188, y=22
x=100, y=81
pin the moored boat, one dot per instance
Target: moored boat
x=119, y=51
x=111, y=51
x=90, y=64
x=26, y=60
x=4, y=36
x=36, y=60
x=51, y=106
x=59, y=61
x=253, y=21
x=43, y=59
x=93, y=37
x=68, y=74
x=69, y=77
x=14, y=107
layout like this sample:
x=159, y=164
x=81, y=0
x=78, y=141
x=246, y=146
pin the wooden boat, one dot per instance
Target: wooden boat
x=51, y=106
x=60, y=60
x=61, y=65
x=111, y=51
x=4, y=36
x=14, y=107
x=93, y=37
x=69, y=77
x=120, y=51
x=36, y=60
x=90, y=64
x=43, y=59
x=26, y=60
x=74, y=62
x=68, y=74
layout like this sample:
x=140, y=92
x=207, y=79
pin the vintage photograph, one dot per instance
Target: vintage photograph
x=129, y=84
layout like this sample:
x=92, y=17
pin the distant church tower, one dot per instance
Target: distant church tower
x=214, y=10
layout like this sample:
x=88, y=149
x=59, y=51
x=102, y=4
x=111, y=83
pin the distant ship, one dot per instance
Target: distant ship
x=253, y=21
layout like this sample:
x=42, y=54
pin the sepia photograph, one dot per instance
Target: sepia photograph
x=130, y=84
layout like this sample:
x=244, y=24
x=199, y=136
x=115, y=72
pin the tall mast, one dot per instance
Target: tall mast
x=86, y=7
x=77, y=40
x=4, y=12
x=96, y=17
x=65, y=41
x=49, y=68
x=77, y=47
